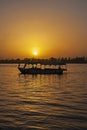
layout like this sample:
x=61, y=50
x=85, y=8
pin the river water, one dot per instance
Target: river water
x=43, y=102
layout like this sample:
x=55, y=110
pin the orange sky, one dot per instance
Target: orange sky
x=52, y=27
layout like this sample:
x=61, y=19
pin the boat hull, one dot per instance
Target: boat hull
x=40, y=71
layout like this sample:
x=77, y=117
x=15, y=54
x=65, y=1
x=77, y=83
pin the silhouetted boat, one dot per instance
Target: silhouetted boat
x=35, y=70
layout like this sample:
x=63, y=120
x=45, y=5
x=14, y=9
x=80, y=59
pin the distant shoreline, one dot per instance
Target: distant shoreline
x=23, y=63
x=76, y=60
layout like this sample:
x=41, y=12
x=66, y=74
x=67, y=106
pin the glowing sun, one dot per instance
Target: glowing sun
x=35, y=52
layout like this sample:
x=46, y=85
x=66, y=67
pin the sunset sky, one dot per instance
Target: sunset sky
x=53, y=28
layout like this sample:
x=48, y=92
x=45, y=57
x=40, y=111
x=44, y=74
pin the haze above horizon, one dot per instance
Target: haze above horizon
x=43, y=28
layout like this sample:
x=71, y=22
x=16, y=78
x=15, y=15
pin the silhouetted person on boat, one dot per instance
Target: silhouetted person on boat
x=24, y=66
x=18, y=65
x=59, y=68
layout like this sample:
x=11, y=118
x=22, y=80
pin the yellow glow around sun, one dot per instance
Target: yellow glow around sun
x=35, y=52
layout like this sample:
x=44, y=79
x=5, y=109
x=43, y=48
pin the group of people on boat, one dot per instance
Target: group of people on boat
x=36, y=70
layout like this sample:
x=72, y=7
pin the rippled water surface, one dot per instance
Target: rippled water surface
x=43, y=102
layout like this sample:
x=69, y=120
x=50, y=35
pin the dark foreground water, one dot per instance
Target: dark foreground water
x=43, y=102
